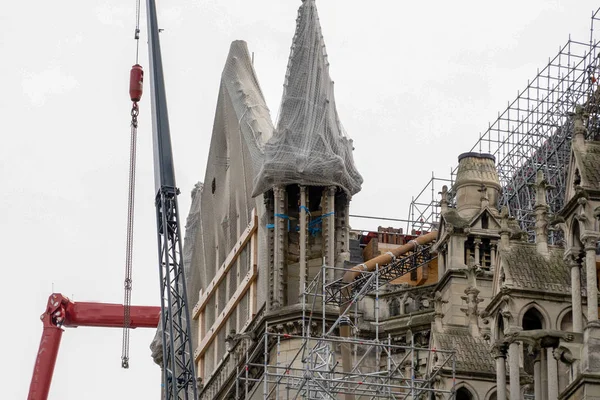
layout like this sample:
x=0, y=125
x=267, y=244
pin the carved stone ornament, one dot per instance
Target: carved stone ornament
x=533, y=350
x=438, y=303
x=564, y=355
x=499, y=350
x=507, y=315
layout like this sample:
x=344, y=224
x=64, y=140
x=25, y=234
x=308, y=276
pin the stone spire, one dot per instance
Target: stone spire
x=309, y=146
x=579, y=130
x=504, y=228
x=541, y=213
x=444, y=201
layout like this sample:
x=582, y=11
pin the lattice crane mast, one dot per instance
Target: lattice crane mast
x=179, y=376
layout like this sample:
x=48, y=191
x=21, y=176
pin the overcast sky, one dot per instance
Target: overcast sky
x=415, y=84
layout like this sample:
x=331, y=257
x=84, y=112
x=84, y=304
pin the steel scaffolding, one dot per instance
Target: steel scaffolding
x=309, y=366
x=534, y=133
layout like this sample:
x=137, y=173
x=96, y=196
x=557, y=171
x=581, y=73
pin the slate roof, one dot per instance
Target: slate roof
x=530, y=270
x=589, y=162
x=472, y=354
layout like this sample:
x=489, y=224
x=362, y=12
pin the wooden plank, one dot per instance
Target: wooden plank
x=254, y=265
x=229, y=308
x=227, y=264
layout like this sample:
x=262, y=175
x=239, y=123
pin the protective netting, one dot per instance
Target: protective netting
x=309, y=146
x=246, y=159
x=222, y=206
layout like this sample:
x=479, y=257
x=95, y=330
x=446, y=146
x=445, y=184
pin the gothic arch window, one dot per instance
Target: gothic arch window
x=532, y=320
x=575, y=238
x=485, y=221
x=394, y=307
x=499, y=327
x=464, y=394
x=566, y=323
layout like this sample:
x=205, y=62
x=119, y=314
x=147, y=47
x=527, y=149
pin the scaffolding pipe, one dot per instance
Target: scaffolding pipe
x=352, y=273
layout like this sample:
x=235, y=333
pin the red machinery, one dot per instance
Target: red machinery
x=60, y=312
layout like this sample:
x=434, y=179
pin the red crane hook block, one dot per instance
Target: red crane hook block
x=136, y=82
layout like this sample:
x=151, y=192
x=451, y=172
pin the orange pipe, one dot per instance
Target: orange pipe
x=351, y=274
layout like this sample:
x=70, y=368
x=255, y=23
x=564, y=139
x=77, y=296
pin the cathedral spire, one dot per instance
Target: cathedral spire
x=310, y=146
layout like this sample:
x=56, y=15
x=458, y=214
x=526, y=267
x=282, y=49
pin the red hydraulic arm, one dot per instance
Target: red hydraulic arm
x=61, y=311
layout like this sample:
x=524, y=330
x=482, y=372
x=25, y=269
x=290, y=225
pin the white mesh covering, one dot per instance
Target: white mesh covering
x=221, y=208
x=246, y=159
x=309, y=146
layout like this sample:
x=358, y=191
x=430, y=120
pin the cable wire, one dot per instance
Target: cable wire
x=137, y=31
x=130, y=209
x=129, y=244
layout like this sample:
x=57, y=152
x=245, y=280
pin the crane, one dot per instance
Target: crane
x=62, y=312
x=179, y=375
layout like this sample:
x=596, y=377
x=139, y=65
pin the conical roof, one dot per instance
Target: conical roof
x=309, y=145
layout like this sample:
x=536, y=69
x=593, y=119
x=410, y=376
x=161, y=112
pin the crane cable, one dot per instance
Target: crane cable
x=137, y=31
x=129, y=244
x=130, y=208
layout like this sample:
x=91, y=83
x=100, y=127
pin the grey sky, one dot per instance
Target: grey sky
x=415, y=84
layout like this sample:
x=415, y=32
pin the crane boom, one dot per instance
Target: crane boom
x=179, y=375
x=60, y=311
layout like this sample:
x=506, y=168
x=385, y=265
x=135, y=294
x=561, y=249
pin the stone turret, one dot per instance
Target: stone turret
x=477, y=184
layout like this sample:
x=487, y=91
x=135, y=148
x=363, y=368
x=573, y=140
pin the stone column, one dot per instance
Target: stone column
x=537, y=378
x=499, y=353
x=477, y=242
x=533, y=351
x=544, y=368
x=302, y=270
x=493, y=246
x=329, y=220
x=552, y=374
x=590, y=265
x=576, y=294
x=514, y=364
x=279, y=262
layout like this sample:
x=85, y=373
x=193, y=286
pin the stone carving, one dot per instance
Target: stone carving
x=498, y=350
x=564, y=355
x=533, y=350
x=438, y=303
x=444, y=201
x=485, y=201
x=507, y=315
x=473, y=271
x=472, y=301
